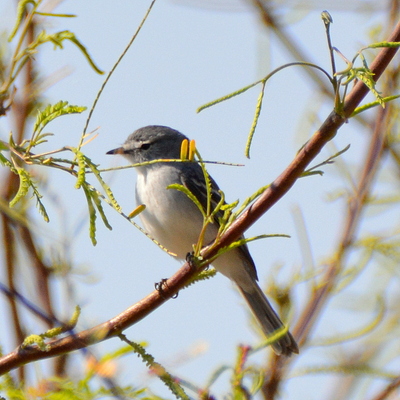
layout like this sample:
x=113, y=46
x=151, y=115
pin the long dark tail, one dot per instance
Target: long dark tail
x=269, y=320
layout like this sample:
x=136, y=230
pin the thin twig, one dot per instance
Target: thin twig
x=388, y=390
x=314, y=307
x=274, y=192
x=112, y=71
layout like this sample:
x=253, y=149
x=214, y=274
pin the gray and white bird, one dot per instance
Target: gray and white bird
x=175, y=221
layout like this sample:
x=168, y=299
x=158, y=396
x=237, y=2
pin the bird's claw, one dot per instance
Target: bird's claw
x=159, y=286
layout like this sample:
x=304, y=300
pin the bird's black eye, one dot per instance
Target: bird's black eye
x=145, y=146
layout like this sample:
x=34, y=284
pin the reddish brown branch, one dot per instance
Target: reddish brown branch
x=389, y=389
x=275, y=192
x=10, y=255
x=322, y=293
x=42, y=274
x=19, y=110
x=355, y=207
x=290, y=44
x=104, y=331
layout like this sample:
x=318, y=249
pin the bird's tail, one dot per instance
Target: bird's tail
x=269, y=320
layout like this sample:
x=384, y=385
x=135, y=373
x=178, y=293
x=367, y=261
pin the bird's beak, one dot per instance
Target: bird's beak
x=119, y=150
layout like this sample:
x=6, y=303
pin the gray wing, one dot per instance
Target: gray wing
x=194, y=180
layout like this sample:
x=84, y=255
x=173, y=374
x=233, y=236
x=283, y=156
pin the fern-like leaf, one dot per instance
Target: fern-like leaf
x=189, y=194
x=367, y=106
x=21, y=8
x=366, y=76
x=314, y=171
x=54, y=111
x=81, y=160
x=243, y=241
x=247, y=202
x=24, y=184
x=58, y=38
x=39, y=204
x=255, y=120
x=202, y=276
x=6, y=162
x=97, y=202
x=157, y=369
x=105, y=187
x=227, y=212
x=92, y=214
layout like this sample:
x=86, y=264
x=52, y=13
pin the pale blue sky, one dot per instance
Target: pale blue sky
x=185, y=56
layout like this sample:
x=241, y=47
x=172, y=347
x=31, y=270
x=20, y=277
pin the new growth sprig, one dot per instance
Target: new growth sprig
x=213, y=207
x=27, y=11
x=340, y=81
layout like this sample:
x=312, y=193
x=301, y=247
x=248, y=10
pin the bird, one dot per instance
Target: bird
x=175, y=221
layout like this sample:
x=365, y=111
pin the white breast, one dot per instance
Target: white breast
x=175, y=222
x=170, y=216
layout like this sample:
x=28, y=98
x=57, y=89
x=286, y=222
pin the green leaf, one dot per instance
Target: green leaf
x=47, y=115
x=352, y=370
x=55, y=15
x=11, y=141
x=92, y=214
x=247, y=202
x=310, y=173
x=39, y=204
x=24, y=184
x=54, y=111
x=81, y=160
x=227, y=212
x=367, y=106
x=97, y=202
x=157, y=369
x=383, y=44
x=21, y=8
x=228, y=96
x=367, y=77
x=105, y=187
x=57, y=39
x=37, y=340
x=243, y=241
x=189, y=194
x=118, y=353
x=3, y=146
x=93, y=196
x=255, y=120
x=313, y=170
x=357, y=333
x=51, y=333
x=202, y=276
x=209, y=214
x=6, y=162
